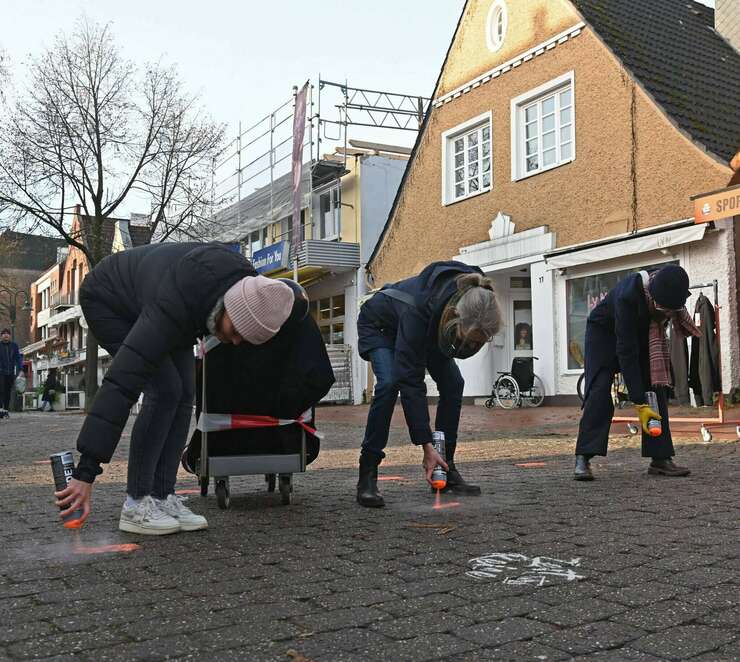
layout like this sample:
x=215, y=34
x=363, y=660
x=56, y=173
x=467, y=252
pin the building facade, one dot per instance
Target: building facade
x=563, y=145
x=58, y=328
x=341, y=219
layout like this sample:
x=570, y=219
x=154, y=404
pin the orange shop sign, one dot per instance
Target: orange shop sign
x=714, y=205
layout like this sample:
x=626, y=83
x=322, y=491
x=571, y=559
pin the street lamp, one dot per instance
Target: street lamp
x=13, y=295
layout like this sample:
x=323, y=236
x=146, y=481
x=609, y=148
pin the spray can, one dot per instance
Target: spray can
x=439, y=475
x=62, y=465
x=655, y=429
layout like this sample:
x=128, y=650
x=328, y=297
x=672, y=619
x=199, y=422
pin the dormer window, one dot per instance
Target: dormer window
x=496, y=25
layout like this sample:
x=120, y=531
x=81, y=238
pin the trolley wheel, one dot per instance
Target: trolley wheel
x=222, y=493
x=270, y=480
x=706, y=434
x=204, y=486
x=286, y=488
x=632, y=428
x=490, y=403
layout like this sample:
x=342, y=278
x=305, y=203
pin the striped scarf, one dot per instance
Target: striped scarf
x=683, y=326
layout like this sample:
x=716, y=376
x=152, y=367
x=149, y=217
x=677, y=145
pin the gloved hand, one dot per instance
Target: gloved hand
x=644, y=413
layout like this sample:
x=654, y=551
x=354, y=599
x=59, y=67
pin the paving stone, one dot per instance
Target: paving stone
x=499, y=609
x=721, y=596
x=578, y=612
x=21, y=631
x=501, y=632
x=643, y=594
x=362, y=598
x=591, y=637
x=67, y=644
x=324, y=621
x=661, y=615
x=683, y=641
x=432, y=647
x=425, y=604
x=412, y=626
x=516, y=651
x=725, y=618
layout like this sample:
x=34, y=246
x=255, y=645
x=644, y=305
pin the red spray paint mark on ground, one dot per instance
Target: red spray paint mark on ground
x=391, y=478
x=107, y=549
x=187, y=491
x=438, y=505
x=79, y=548
x=531, y=465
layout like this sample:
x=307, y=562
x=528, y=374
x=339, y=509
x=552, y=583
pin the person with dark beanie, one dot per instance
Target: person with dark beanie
x=416, y=325
x=147, y=307
x=626, y=332
x=11, y=364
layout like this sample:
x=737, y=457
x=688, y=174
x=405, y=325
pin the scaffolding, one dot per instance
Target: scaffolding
x=251, y=185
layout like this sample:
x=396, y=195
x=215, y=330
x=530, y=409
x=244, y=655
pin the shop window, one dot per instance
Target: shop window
x=544, y=134
x=581, y=296
x=329, y=315
x=467, y=160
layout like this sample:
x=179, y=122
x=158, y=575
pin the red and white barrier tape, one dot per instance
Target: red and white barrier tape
x=220, y=422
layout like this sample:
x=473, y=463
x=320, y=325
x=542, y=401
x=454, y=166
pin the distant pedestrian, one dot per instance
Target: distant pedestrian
x=11, y=364
x=626, y=332
x=51, y=387
x=147, y=306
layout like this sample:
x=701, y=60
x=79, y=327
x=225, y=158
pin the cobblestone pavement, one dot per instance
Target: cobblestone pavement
x=647, y=570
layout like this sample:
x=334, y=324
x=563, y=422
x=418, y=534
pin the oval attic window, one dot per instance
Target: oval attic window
x=496, y=25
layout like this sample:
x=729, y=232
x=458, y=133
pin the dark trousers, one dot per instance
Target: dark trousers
x=449, y=381
x=596, y=419
x=6, y=388
x=161, y=428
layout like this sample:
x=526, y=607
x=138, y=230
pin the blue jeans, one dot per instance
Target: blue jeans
x=449, y=382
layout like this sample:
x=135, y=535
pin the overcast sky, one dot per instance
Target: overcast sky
x=244, y=56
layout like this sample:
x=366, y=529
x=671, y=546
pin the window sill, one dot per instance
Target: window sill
x=447, y=203
x=519, y=178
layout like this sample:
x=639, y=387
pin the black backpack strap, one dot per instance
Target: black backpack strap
x=399, y=295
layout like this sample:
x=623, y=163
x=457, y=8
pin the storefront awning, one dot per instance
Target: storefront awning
x=651, y=241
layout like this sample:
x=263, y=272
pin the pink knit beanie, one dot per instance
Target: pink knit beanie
x=258, y=307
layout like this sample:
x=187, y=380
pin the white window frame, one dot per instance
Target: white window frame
x=333, y=191
x=498, y=7
x=448, y=170
x=518, y=107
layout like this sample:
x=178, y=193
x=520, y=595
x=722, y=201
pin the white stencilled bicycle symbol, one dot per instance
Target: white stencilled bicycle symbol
x=519, y=570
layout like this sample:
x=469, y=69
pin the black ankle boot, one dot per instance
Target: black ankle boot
x=582, y=470
x=455, y=482
x=367, y=485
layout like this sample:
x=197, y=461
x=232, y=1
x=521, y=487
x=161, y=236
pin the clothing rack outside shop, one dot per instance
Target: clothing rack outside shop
x=705, y=422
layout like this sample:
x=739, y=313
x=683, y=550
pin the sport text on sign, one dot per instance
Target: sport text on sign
x=712, y=206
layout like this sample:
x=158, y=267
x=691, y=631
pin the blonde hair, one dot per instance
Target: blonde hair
x=475, y=306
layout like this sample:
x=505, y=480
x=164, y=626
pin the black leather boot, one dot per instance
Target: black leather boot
x=455, y=482
x=665, y=467
x=367, y=485
x=583, y=468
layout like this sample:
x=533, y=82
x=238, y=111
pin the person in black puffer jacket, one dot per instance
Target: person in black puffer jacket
x=422, y=323
x=146, y=307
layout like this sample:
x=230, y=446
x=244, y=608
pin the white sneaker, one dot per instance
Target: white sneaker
x=174, y=507
x=147, y=519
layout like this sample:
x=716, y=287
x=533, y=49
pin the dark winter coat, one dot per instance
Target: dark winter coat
x=411, y=332
x=11, y=360
x=284, y=378
x=166, y=291
x=704, y=367
x=617, y=337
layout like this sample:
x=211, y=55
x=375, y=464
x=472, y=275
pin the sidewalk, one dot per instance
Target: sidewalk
x=477, y=422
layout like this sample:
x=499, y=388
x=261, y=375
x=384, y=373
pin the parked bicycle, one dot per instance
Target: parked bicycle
x=521, y=386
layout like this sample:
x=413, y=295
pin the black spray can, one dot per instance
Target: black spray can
x=62, y=465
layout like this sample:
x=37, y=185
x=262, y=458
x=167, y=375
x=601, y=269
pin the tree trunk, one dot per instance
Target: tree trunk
x=91, y=370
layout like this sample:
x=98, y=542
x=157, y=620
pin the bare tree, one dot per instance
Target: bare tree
x=92, y=129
